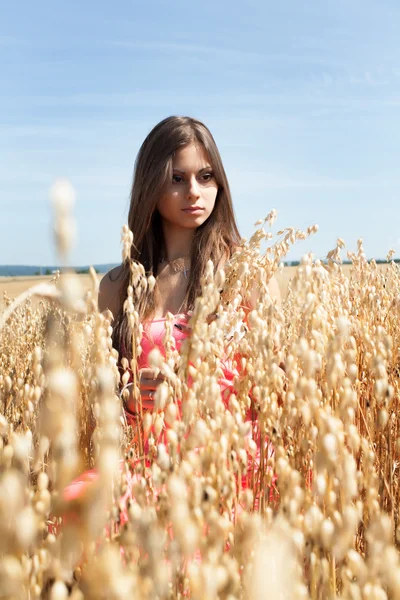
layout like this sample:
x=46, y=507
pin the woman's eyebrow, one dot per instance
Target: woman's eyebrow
x=184, y=172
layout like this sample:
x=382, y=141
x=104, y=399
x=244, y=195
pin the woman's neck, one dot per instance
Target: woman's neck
x=178, y=242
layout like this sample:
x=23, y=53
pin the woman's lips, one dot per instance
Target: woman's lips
x=193, y=210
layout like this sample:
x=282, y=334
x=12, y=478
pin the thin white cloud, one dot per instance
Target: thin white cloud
x=117, y=180
x=368, y=78
x=21, y=178
x=109, y=100
x=232, y=54
x=80, y=179
x=9, y=40
x=260, y=181
x=238, y=99
x=34, y=131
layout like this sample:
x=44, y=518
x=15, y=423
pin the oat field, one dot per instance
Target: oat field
x=287, y=488
x=13, y=286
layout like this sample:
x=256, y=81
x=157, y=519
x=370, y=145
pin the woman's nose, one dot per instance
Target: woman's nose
x=193, y=190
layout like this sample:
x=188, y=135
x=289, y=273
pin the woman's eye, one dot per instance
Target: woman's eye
x=177, y=178
x=204, y=178
x=207, y=176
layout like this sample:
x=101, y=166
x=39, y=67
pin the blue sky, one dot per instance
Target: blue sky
x=303, y=99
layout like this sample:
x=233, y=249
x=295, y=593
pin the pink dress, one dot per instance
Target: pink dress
x=153, y=336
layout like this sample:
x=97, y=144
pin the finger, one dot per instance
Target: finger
x=149, y=393
x=148, y=388
x=147, y=396
x=147, y=372
x=158, y=378
x=146, y=400
x=150, y=384
x=151, y=375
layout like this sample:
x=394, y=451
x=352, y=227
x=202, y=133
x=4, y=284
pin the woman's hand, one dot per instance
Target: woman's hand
x=149, y=381
x=148, y=384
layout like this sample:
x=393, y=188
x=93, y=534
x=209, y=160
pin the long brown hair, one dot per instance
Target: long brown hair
x=215, y=239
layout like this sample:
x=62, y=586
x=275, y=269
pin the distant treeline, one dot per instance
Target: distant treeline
x=29, y=271
x=82, y=271
x=379, y=261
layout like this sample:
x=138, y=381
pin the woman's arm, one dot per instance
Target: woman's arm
x=109, y=297
x=148, y=380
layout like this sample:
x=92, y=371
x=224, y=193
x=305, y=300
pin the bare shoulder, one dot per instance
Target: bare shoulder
x=109, y=290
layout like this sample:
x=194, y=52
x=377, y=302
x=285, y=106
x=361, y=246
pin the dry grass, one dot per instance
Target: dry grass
x=191, y=503
x=13, y=286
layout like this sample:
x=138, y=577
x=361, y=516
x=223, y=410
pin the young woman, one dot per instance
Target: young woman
x=181, y=216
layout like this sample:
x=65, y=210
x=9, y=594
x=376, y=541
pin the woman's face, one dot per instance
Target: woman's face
x=189, y=198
